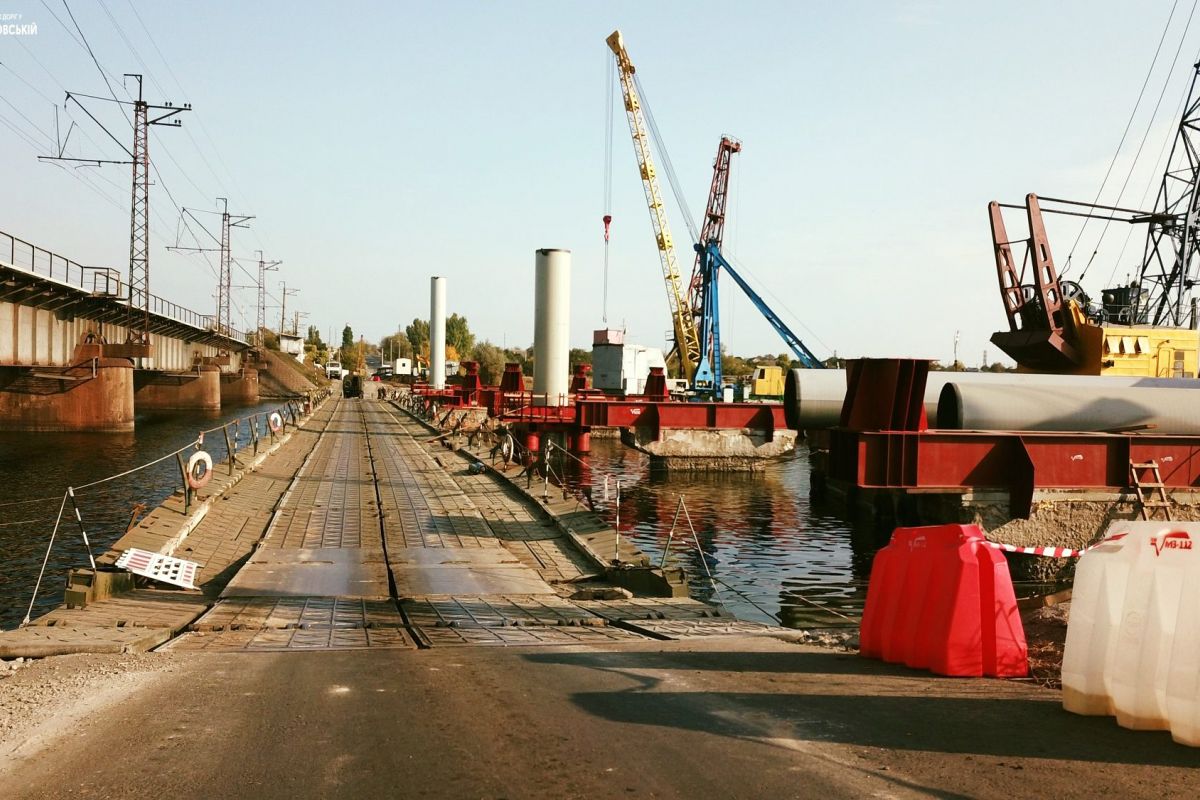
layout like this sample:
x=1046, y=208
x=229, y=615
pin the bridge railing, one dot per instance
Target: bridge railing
x=100, y=281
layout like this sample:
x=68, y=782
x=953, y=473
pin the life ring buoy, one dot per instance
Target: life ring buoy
x=199, y=469
x=274, y=422
x=507, y=448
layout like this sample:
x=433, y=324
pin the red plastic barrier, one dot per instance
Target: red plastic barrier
x=941, y=599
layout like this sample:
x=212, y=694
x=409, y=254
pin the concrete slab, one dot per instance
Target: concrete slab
x=143, y=608
x=308, y=572
x=470, y=571
x=57, y=640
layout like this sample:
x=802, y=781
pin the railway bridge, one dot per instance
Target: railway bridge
x=64, y=361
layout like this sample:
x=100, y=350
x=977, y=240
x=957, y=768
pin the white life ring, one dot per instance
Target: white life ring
x=275, y=422
x=507, y=447
x=199, y=478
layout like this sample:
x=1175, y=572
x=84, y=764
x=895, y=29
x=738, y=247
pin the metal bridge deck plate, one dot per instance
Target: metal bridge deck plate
x=661, y=608
x=292, y=639
x=259, y=613
x=296, y=623
x=699, y=628
x=507, y=620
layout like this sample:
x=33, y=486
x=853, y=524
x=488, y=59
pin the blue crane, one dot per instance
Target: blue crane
x=708, y=376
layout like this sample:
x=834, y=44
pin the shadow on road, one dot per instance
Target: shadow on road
x=892, y=707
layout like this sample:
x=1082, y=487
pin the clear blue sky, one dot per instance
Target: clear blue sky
x=380, y=143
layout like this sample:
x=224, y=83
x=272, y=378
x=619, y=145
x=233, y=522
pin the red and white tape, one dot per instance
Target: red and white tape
x=1052, y=552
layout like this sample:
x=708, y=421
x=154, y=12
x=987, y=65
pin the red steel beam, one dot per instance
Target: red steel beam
x=1020, y=462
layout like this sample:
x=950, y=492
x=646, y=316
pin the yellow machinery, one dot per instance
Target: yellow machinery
x=687, y=337
x=767, y=382
x=1050, y=332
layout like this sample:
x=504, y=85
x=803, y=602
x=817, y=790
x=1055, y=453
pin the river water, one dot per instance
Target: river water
x=771, y=552
x=36, y=468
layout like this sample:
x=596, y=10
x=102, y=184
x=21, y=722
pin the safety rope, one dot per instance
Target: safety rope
x=45, y=560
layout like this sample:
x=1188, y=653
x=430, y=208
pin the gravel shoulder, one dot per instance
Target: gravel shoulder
x=41, y=700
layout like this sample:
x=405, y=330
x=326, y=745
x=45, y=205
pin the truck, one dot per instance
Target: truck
x=334, y=371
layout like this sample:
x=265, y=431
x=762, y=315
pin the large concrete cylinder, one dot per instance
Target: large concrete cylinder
x=437, y=333
x=813, y=398
x=552, y=327
x=1015, y=407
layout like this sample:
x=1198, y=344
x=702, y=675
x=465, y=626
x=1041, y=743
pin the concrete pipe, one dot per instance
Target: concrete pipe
x=813, y=397
x=1066, y=407
x=552, y=327
x=437, y=333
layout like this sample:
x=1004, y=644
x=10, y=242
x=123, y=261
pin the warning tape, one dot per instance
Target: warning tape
x=1052, y=552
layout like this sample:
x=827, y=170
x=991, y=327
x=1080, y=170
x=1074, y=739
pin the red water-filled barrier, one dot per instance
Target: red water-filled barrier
x=941, y=599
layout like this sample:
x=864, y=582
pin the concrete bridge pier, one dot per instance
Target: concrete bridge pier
x=239, y=388
x=199, y=388
x=95, y=394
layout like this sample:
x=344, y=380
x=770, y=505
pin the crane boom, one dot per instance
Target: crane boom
x=713, y=231
x=687, y=338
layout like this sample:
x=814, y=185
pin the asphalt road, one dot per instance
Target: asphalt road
x=728, y=718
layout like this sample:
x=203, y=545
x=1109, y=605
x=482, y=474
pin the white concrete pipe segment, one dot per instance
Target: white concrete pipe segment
x=437, y=333
x=1067, y=407
x=812, y=398
x=552, y=327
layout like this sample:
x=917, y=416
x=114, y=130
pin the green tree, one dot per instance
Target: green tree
x=347, y=340
x=458, y=334
x=579, y=356
x=418, y=335
x=491, y=362
x=396, y=346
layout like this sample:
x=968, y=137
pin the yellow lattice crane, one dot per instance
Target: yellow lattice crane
x=687, y=337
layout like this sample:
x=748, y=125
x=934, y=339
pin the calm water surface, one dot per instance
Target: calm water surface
x=36, y=468
x=770, y=550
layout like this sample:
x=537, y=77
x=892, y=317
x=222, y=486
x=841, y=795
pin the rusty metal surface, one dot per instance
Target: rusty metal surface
x=507, y=621
x=292, y=639
x=306, y=572
x=262, y=624
x=654, y=608
x=260, y=613
x=700, y=628
x=465, y=570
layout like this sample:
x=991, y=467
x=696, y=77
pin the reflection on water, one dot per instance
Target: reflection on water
x=36, y=468
x=767, y=546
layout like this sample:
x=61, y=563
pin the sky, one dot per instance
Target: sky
x=379, y=143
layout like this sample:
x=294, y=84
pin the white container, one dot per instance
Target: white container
x=1183, y=678
x=1100, y=580
x=1133, y=641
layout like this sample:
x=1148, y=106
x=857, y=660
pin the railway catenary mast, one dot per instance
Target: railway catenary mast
x=687, y=338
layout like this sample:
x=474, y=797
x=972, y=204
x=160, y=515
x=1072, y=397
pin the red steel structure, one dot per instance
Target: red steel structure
x=883, y=443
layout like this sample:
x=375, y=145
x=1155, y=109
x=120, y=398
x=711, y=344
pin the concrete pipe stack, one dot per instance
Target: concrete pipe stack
x=1173, y=411
x=813, y=400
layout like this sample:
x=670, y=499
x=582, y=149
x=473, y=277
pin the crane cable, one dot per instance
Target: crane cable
x=1113, y=162
x=608, y=150
x=668, y=167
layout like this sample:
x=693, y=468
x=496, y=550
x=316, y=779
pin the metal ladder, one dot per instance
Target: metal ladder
x=1146, y=489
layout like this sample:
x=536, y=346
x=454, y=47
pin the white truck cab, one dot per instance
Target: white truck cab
x=333, y=370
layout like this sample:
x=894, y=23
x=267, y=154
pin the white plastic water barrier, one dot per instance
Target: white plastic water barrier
x=1133, y=637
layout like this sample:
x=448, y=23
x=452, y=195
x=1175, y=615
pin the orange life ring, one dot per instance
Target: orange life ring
x=199, y=469
x=274, y=422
